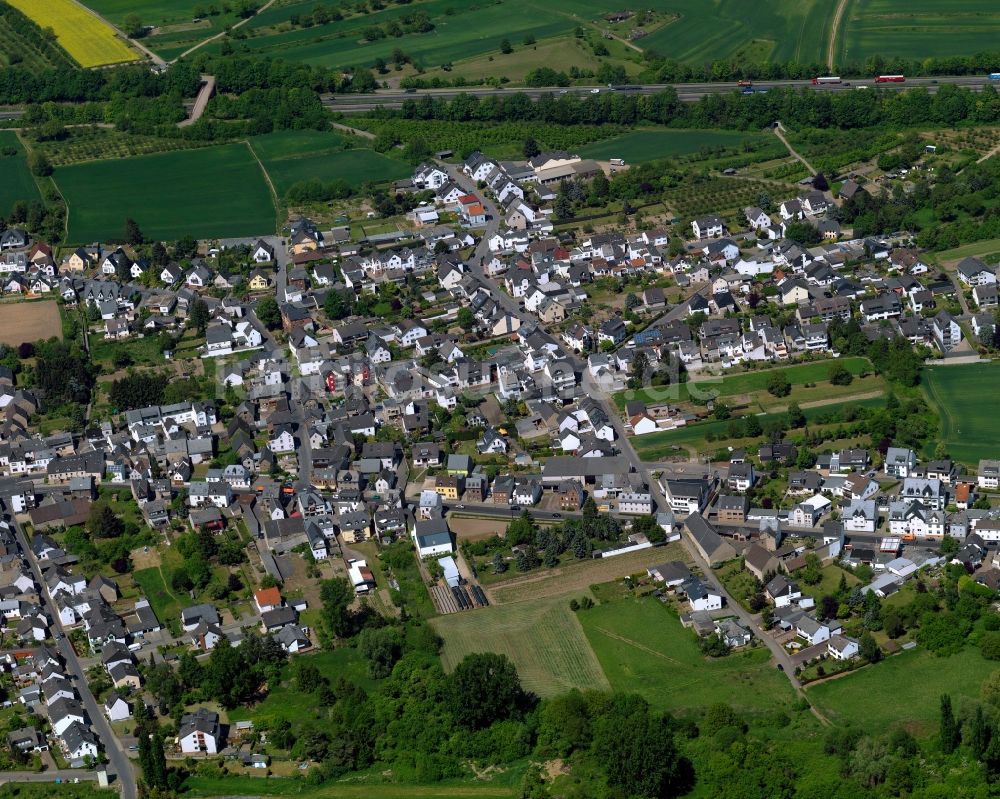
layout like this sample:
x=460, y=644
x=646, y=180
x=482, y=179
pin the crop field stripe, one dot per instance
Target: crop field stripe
x=79, y=31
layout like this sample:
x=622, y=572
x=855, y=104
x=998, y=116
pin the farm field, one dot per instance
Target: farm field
x=460, y=32
x=964, y=397
x=17, y=183
x=26, y=50
x=543, y=639
x=904, y=689
x=694, y=437
x=213, y=191
x=642, y=647
x=86, y=38
x=779, y=30
x=753, y=385
x=174, y=27
x=293, y=156
x=890, y=28
x=29, y=321
x=647, y=145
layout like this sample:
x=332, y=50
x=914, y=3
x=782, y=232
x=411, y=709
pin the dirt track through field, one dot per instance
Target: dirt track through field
x=834, y=28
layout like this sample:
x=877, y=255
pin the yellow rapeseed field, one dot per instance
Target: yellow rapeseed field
x=86, y=38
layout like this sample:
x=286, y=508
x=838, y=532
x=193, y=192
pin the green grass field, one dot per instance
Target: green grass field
x=17, y=183
x=963, y=396
x=753, y=385
x=779, y=30
x=211, y=192
x=916, y=29
x=68, y=790
x=643, y=648
x=165, y=604
x=543, y=638
x=693, y=437
x=647, y=145
x=904, y=689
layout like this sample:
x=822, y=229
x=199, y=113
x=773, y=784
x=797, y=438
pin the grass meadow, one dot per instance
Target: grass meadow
x=82, y=34
x=643, y=648
x=904, y=689
x=17, y=183
x=963, y=396
x=206, y=193
x=542, y=638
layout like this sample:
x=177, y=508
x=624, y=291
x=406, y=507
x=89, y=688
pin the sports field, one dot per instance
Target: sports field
x=81, y=34
x=543, y=638
x=904, y=689
x=17, y=183
x=965, y=399
x=206, y=193
x=29, y=321
x=647, y=145
x=643, y=648
x=776, y=30
x=916, y=29
x=293, y=156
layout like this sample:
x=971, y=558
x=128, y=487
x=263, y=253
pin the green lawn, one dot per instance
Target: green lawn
x=963, y=396
x=17, y=183
x=166, y=605
x=543, y=638
x=904, y=689
x=210, y=192
x=647, y=145
x=643, y=648
x=654, y=446
x=976, y=249
x=830, y=582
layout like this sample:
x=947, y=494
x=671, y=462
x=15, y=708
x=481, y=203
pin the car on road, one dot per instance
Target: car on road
x=595, y=91
x=460, y=507
x=556, y=515
x=780, y=667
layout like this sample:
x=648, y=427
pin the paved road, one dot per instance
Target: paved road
x=117, y=756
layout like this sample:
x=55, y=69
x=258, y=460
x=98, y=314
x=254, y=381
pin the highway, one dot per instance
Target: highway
x=686, y=92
